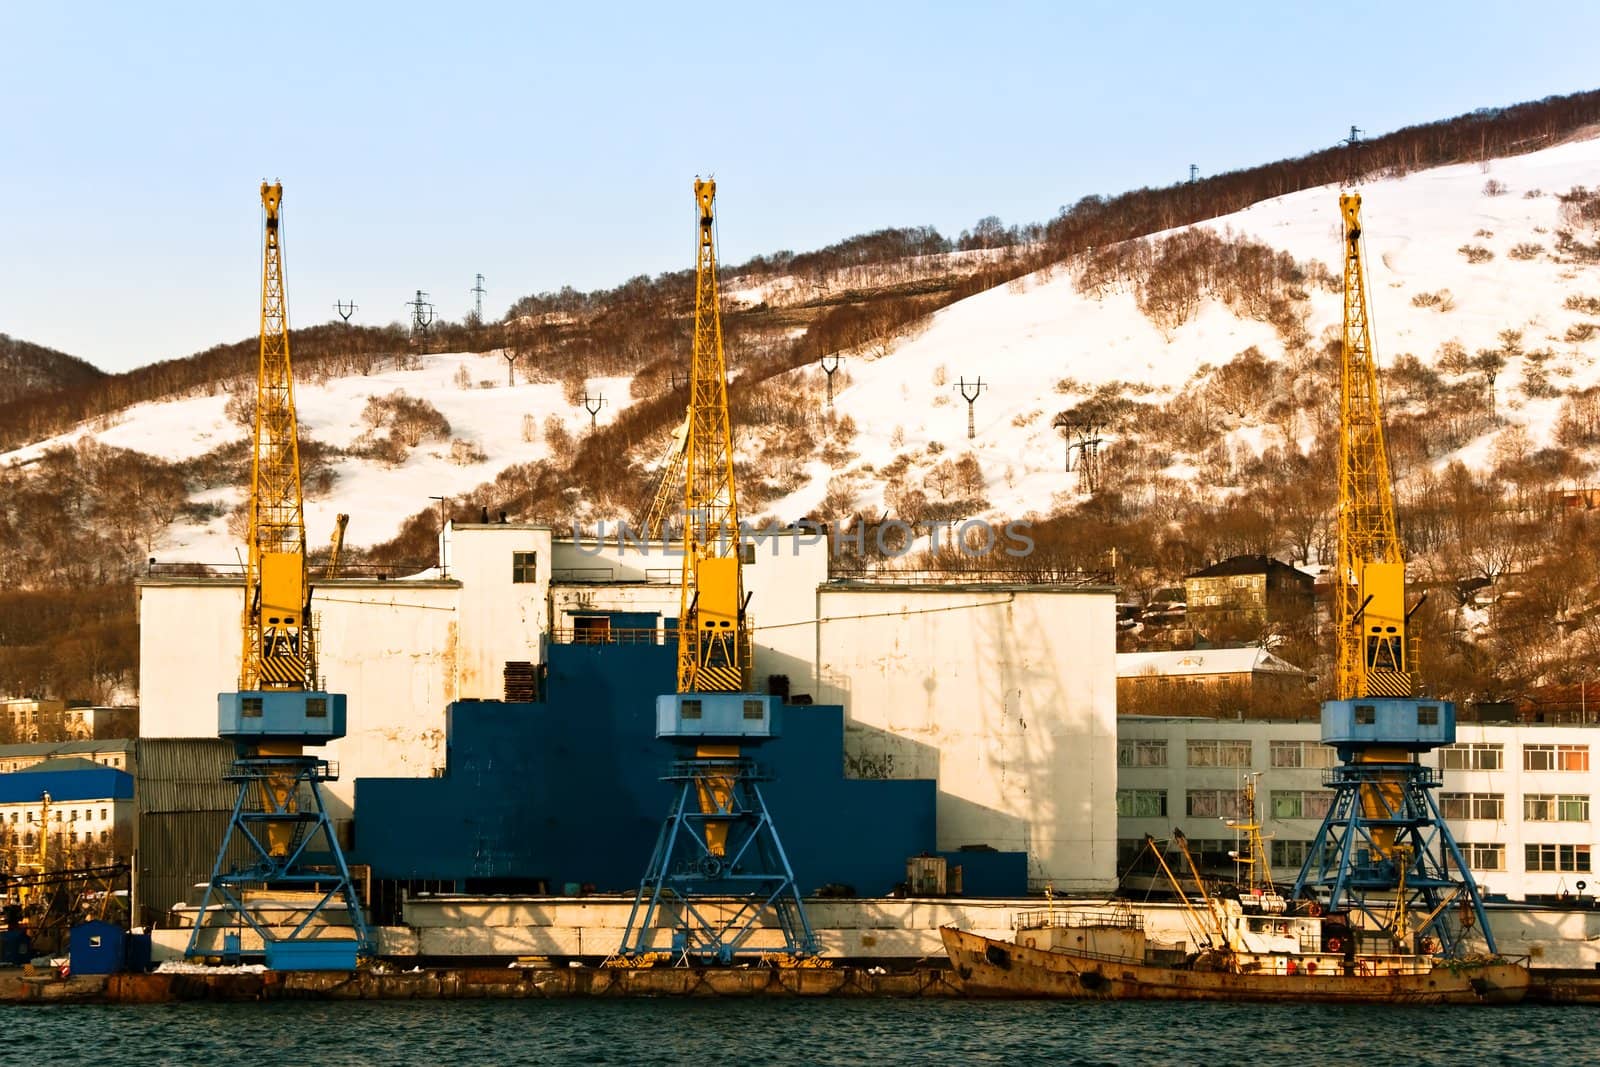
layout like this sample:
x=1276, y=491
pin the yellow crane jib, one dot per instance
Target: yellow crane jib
x=1374, y=655
x=712, y=642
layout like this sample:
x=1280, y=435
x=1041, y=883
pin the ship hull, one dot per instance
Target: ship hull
x=989, y=968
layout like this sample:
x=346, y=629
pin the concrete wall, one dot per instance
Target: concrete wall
x=1004, y=695
x=500, y=621
x=451, y=926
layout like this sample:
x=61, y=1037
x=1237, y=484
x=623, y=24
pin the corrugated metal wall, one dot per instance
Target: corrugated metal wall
x=182, y=809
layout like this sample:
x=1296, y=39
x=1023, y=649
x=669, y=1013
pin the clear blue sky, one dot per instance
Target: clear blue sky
x=551, y=144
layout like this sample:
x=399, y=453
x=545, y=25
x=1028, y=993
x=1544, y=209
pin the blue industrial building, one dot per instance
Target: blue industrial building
x=567, y=791
x=67, y=781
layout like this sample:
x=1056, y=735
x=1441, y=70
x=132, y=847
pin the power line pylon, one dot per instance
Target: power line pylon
x=970, y=393
x=421, y=315
x=345, y=310
x=478, y=292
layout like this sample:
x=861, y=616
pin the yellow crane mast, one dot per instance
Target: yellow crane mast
x=1384, y=851
x=284, y=836
x=1374, y=656
x=279, y=639
x=712, y=640
x=719, y=841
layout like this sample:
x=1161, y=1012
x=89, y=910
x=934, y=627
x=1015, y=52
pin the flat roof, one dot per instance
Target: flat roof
x=911, y=585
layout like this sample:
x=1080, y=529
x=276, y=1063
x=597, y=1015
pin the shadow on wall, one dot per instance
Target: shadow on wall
x=568, y=792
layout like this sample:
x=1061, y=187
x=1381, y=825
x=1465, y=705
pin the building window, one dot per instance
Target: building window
x=1570, y=859
x=1142, y=753
x=1484, y=857
x=1288, y=854
x=1428, y=715
x=1366, y=714
x=1555, y=807
x=524, y=567
x=1141, y=803
x=1301, y=803
x=316, y=707
x=103, y=815
x=689, y=709
x=1219, y=753
x=1217, y=804
x=1490, y=807
x=1555, y=757
x=105, y=835
x=1303, y=754
x=755, y=710
x=1476, y=757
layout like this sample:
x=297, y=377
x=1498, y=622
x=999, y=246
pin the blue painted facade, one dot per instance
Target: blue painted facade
x=568, y=791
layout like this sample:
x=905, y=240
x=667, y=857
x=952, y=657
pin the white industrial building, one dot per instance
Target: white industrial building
x=1517, y=796
x=1005, y=694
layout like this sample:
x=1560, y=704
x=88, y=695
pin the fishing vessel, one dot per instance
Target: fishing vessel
x=1245, y=942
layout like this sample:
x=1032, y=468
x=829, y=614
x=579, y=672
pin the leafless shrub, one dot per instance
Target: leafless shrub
x=465, y=453
x=1579, y=332
x=1476, y=253
x=1494, y=187
x=1442, y=300
x=1525, y=250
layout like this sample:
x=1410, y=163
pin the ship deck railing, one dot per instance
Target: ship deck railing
x=1061, y=917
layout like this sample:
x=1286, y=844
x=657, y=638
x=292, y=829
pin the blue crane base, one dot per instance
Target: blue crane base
x=716, y=894
x=1384, y=840
x=279, y=824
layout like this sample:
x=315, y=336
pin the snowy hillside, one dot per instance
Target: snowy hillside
x=485, y=413
x=1026, y=337
x=1040, y=345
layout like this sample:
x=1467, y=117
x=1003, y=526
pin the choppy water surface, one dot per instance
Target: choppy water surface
x=794, y=1031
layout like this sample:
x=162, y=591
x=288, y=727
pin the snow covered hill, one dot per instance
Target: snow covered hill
x=1024, y=338
x=1039, y=345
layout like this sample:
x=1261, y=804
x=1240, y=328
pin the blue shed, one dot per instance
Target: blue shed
x=97, y=948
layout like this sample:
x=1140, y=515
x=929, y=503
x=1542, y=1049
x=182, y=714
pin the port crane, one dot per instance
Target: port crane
x=718, y=874
x=280, y=841
x=1384, y=851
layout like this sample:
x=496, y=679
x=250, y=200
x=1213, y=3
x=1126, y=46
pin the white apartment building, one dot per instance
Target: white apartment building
x=1518, y=797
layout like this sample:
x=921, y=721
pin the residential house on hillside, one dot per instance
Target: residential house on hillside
x=1247, y=682
x=1242, y=596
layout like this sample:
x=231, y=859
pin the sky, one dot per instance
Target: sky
x=545, y=145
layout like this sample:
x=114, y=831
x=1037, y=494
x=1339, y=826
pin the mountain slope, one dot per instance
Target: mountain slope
x=27, y=369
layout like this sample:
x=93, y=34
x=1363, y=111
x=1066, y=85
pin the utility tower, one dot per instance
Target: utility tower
x=970, y=393
x=478, y=292
x=421, y=315
x=830, y=367
x=1384, y=853
x=1194, y=173
x=593, y=404
x=718, y=872
x=345, y=310
x=279, y=824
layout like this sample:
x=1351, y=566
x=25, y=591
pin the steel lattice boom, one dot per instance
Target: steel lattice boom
x=711, y=653
x=279, y=640
x=1369, y=593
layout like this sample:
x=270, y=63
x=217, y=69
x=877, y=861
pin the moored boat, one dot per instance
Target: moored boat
x=1105, y=955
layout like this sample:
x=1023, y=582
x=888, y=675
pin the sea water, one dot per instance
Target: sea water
x=794, y=1031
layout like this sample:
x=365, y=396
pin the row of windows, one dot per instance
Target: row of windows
x=1237, y=753
x=1491, y=757
x=1314, y=804
x=1221, y=753
x=71, y=815
x=1480, y=856
x=72, y=836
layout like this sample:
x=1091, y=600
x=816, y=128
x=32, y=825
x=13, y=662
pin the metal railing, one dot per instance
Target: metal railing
x=582, y=574
x=956, y=576
x=1074, y=920
x=612, y=636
